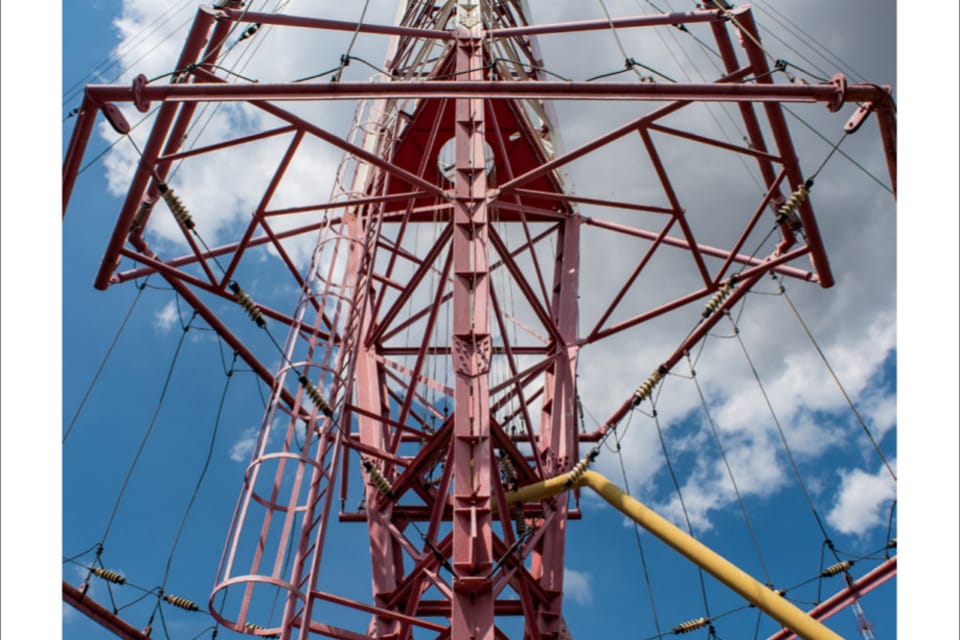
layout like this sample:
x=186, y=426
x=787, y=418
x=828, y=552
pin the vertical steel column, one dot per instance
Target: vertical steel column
x=473, y=599
x=558, y=433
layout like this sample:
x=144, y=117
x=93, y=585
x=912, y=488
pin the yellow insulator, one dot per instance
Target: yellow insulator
x=892, y=544
x=376, y=477
x=109, y=576
x=722, y=294
x=314, y=395
x=250, y=626
x=788, y=210
x=140, y=217
x=181, y=602
x=248, y=304
x=176, y=205
x=644, y=390
x=690, y=625
x=581, y=468
x=834, y=569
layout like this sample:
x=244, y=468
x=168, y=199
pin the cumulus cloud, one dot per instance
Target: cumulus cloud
x=166, y=318
x=242, y=448
x=854, y=322
x=576, y=586
x=862, y=500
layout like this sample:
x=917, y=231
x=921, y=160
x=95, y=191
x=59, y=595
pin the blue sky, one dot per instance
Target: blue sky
x=605, y=578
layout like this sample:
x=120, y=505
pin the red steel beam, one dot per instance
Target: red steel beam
x=241, y=15
x=96, y=612
x=507, y=32
x=843, y=598
x=689, y=17
x=86, y=116
x=163, y=123
x=552, y=89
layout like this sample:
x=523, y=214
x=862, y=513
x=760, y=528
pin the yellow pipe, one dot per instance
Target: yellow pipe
x=723, y=570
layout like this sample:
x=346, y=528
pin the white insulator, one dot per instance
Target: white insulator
x=644, y=390
x=722, y=294
x=834, y=569
x=314, y=395
x=108, y=575
x=248, y=304
x=376, y=477
x=686, y=627
x=788, y=209
x=177, y=207
x=181, y=602
x=581, y=467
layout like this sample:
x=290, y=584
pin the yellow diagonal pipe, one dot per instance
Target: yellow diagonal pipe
x=716, y=565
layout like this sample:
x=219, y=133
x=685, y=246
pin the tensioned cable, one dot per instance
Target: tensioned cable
x=203, y=472
x=754, y=39
x=636, y=529
x=237, y=69
x=113, y=58
x=213, y=626
x=152, y=423
x=679, y=27
x=711, y=631
x=726, y=463
x=708, y=106
x=163, y=621
x=886, y=548
x=802, y=57
x=616, y=37
x=117, y=141
x=75, y=111
x=253, y=311
x=836, y=379
x=783, y=438
x=807, y=37
x=346, y=57
x=82, y=553
x=134, y=126
x=676, y=485
x=827, y=140
x=103, y=363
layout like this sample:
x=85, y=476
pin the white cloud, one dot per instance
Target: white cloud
x=880, y=413
x=854, y=321
x=862, y=500
x=166, y=318
x=576, y=585
x=243, y=447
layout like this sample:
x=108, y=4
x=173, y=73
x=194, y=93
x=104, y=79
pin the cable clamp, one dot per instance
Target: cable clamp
x=839, y=82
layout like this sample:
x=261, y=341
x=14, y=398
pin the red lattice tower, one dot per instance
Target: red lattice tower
x=387, y=369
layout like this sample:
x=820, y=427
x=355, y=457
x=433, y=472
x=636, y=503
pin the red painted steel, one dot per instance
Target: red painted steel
x=438, y=317
x=845, y=597
x=102, y=616
x=503, y=89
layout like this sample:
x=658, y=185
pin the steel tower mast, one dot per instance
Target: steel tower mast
x=461, y=146
x=449, y=229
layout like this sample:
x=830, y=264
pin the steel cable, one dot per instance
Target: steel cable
x=103, y=363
